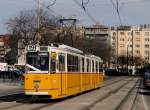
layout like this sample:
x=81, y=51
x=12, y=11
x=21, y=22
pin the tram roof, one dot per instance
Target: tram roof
x=61, y=47
x=53, y=46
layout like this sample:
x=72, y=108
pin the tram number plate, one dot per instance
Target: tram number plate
x=36, y=83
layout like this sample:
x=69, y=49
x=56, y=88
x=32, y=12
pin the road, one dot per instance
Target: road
x=121, y=89
x=8, y=89
x=145, y=93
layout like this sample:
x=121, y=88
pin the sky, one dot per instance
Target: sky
x=132, y=12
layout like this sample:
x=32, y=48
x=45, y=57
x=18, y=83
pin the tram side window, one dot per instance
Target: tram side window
x=72, y=63
x=61, y=59
x=100, y=67
x=53, y=65
x=82, y=64
x=88, y=65
x=96, y=66
x=79, y=64
x=92, y=65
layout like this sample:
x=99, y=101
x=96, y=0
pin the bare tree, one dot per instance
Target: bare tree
x=23, y=29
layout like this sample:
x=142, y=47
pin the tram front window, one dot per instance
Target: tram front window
x=39, y=60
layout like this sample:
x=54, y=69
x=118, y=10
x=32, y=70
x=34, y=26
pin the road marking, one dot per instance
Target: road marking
x=144, y=102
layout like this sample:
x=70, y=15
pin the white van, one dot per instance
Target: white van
x=3, y=67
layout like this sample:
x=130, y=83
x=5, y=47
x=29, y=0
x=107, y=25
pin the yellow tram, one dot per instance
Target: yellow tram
x=59, y=71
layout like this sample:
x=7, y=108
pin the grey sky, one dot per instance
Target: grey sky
x=133, y=12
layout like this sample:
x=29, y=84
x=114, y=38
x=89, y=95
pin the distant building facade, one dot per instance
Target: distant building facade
x=97, y=32
x=4, y=47
x=100, y=35
x=130, y=42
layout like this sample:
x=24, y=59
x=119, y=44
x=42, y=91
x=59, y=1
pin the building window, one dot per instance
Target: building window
x=130, y=45
x=137, y=33
x=137, y=45
x=146, y=45
x=137, y=39
x=121, y=39
x=146, y=33
x=146, y=52
x=113, y=38
x=114, y=33
x=137, y=52
x=129, y=39
x=113, y=44
x=146, y=39
x=129, y=33
x=121, y=45
x=146, y=58
x=121, y=33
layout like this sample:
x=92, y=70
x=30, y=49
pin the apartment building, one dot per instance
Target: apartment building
x=98, y=35
x=4, y=48
x=130, y=41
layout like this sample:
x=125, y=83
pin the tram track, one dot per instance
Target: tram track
x=112, y=81
x=102, y=98
x=26, y=101
x=110, y=93
x=19, y=102
x=121, y=105
x=109, y=84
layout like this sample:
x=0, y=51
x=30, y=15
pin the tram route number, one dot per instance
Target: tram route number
x=31, y=48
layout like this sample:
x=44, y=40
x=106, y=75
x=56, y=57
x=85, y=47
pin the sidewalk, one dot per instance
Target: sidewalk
x=11, y=82
x=7, y=88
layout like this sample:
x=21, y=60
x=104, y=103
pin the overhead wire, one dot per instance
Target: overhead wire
x=84, y=3
x=82, y=6
x=48, y=8
x=116, y=6
x=53, y=3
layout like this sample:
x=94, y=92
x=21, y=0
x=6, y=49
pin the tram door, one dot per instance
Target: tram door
x=61, y=69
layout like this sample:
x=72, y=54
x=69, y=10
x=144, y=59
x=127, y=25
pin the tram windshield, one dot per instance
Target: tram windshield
x=38, y=60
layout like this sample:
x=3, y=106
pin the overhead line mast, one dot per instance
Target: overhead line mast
x=38, y=13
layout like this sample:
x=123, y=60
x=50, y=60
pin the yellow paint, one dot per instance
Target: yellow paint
x=62, y=85
x=53, y=55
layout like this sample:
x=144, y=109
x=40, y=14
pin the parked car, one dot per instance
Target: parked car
x=147, y=77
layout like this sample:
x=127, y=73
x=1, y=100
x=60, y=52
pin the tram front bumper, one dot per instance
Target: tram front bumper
x=36, y=93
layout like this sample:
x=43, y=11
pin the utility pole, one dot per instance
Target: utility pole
x=38, y=13
x=38, y=36
x=117, y=50
x=127, y=60
x=133, y=66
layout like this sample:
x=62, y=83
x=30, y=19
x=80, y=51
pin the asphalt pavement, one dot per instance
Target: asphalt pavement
x=9, y=89
x=145, y=93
